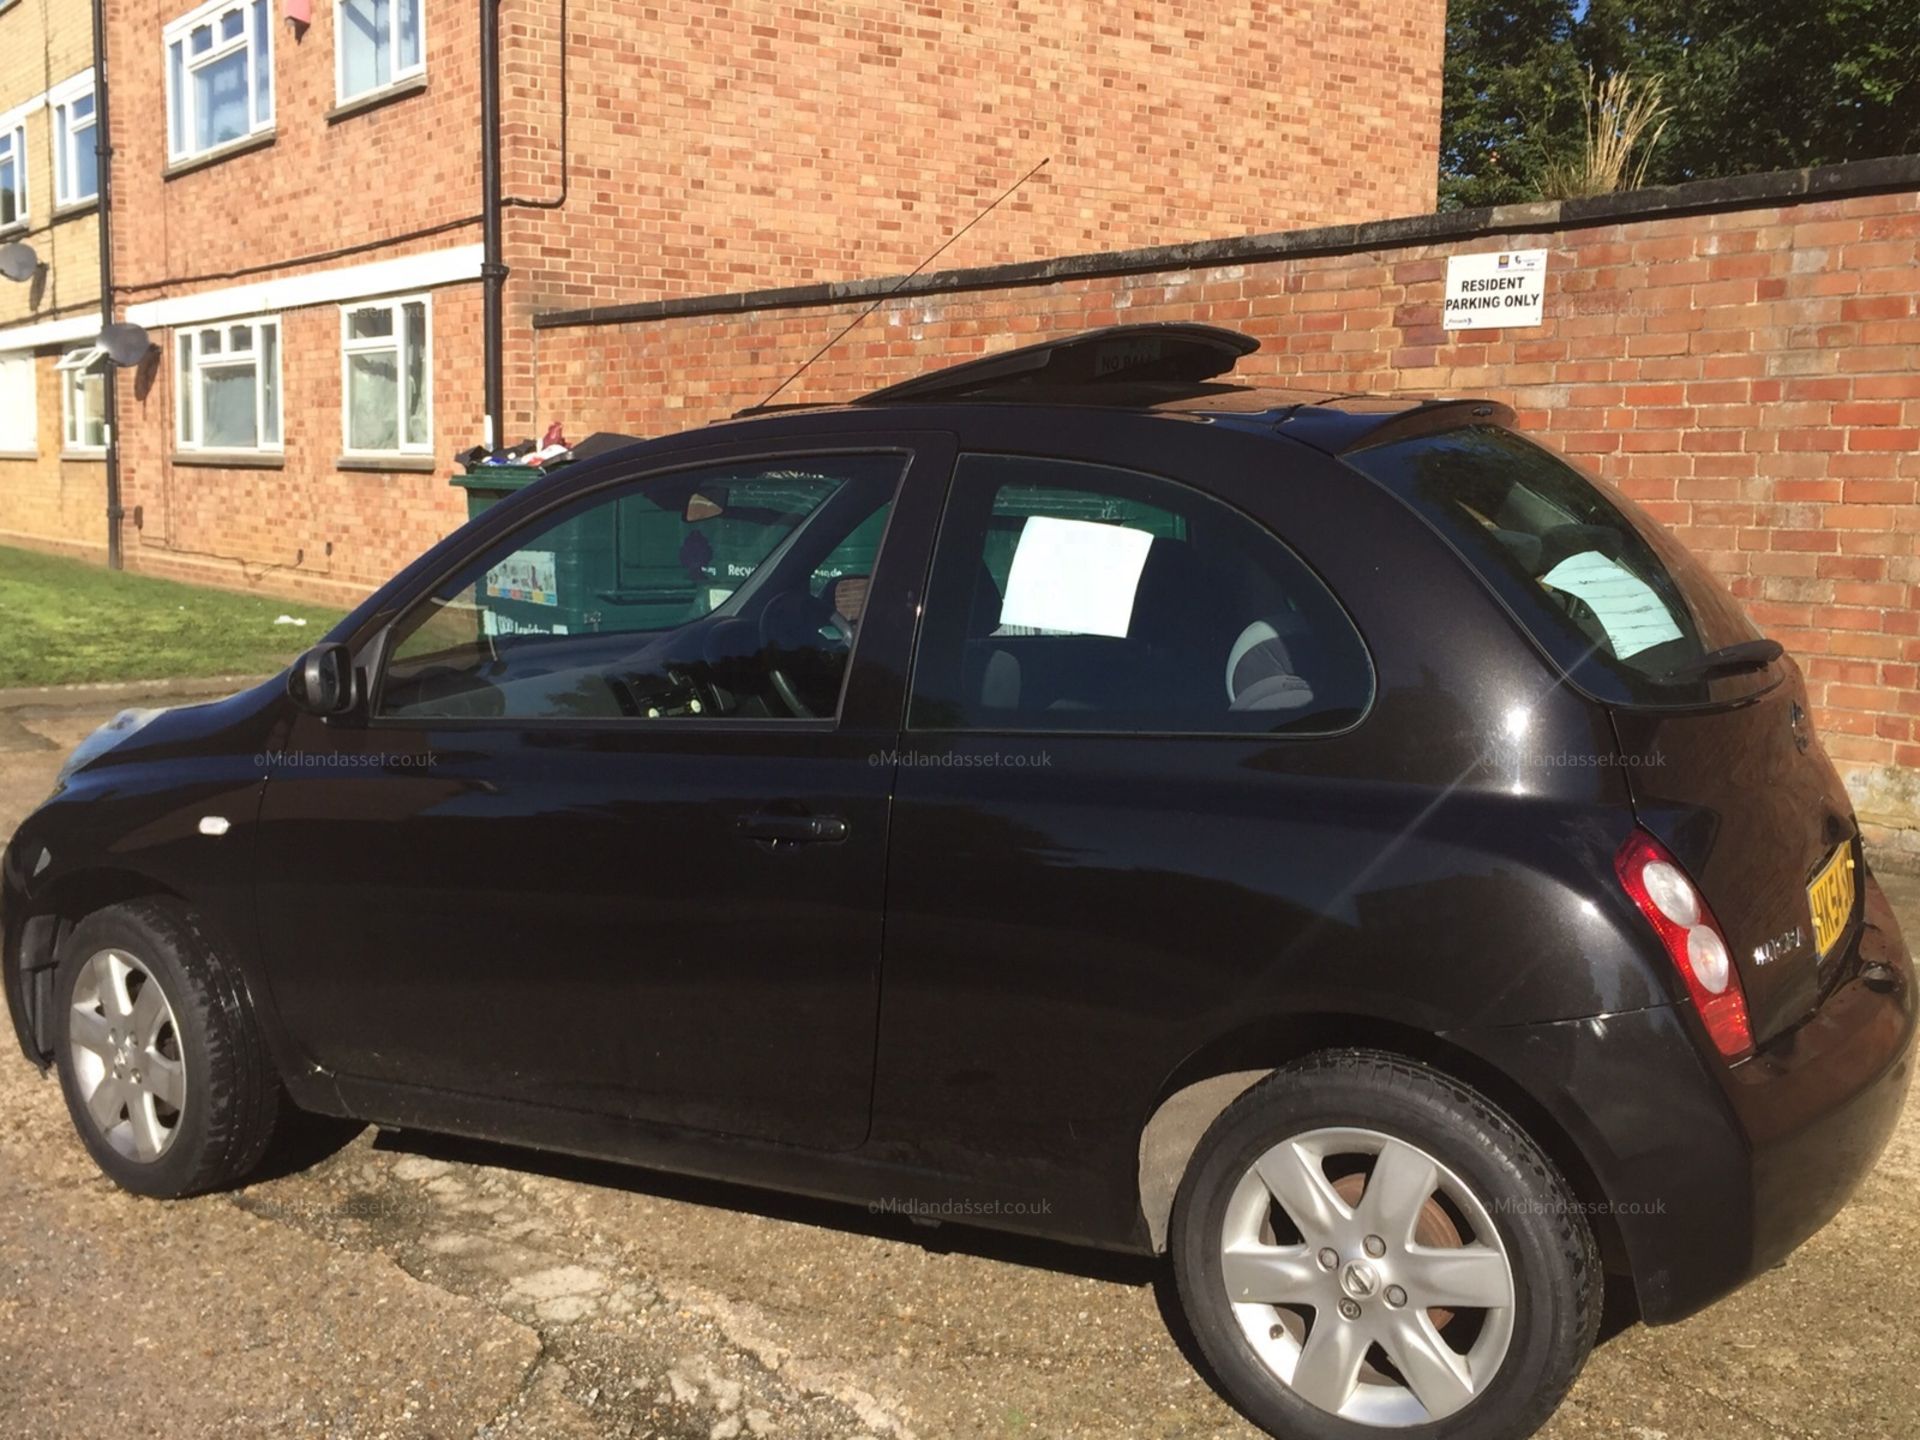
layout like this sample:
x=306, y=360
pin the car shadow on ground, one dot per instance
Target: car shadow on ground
x=1620, y=1311
x=306, y=1140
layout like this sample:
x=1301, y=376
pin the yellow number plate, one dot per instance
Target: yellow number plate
x=1830, y=897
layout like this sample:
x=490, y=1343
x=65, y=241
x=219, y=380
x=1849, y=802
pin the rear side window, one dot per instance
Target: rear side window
x=1078, y=597
x=1618, y=603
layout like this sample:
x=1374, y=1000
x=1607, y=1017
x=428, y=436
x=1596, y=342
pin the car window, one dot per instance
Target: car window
x=729, y=592
x=1619, y=602
x=1068, y=596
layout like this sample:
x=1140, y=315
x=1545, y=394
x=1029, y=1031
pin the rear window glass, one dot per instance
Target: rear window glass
x=1076, y=597
x=1618, y=603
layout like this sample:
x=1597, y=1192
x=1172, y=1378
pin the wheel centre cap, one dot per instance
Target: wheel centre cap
x=1359, y=1281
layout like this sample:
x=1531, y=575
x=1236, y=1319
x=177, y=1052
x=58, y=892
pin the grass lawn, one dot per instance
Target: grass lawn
x=65, y=621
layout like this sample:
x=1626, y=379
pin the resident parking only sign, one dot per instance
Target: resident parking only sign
x=1488, y=292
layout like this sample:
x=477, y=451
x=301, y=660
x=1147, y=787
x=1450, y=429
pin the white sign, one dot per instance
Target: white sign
x=525, y=575
x=1075, y=577
x=1628, y=608
x=1487, y=292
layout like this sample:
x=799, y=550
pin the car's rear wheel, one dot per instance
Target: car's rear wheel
x=163, y=1070
x=1362, y=1245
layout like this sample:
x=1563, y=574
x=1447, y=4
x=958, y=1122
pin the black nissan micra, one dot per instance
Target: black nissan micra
x=1328, y=840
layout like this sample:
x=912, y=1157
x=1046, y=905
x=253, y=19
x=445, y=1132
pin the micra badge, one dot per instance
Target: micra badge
x=1779, y=947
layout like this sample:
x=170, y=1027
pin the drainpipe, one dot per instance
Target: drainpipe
x=493, y=271
x=103, y=151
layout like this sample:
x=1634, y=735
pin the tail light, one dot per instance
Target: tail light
x=1692, y=937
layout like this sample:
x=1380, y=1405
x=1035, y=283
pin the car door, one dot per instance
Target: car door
x=610, y=834
x=1118, y=786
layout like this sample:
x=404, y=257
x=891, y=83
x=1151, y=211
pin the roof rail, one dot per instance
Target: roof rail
x=1119, y=354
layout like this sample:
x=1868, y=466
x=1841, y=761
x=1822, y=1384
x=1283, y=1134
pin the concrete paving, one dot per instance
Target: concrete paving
x=402, y=1286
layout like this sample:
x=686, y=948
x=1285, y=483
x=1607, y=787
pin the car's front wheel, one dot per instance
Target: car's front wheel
x=163, y=1070
x=1362, y=1245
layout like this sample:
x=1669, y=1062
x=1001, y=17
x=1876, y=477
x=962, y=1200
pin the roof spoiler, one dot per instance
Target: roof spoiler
x=1427, y=418
x=1119, y=354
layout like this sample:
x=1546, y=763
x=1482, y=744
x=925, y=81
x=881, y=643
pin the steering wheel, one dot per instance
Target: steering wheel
x=793, y=622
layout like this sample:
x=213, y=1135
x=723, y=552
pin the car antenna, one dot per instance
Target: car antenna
x=887, y=295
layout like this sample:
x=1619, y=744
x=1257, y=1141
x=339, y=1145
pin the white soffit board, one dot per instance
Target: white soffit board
x=19, y=113
x=51, y=332
x=319, y=287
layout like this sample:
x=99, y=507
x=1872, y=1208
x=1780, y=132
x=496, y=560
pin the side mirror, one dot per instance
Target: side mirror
x=321, y=681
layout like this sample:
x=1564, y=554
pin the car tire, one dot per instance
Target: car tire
x=1512, y=1349
x=162, y=1065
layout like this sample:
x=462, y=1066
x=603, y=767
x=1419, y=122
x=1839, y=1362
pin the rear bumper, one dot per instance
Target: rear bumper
x=1712, y=1174
x=1819, y=1103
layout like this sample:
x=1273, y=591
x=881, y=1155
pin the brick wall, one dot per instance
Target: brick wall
x=1750, y=372
x=735, y=144
x=323, y=181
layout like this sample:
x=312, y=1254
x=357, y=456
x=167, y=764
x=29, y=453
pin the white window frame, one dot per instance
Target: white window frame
x=13, y=144
x=190, y=399
x=397, y=75
x=61, y=99
x=74, y=412
x=252, y=33
x=20, y=402
x=396, y=342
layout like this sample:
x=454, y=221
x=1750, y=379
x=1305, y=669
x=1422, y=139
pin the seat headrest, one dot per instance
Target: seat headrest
x=1261, y=670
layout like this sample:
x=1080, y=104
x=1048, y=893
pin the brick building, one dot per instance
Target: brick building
x=297, y=226
x=299, y=207
x=52, y=479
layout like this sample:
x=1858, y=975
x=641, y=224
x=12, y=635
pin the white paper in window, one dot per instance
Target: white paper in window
x=1627, y=608
x=1077, y=577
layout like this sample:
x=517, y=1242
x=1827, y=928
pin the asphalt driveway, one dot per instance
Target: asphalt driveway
x=401, y=1286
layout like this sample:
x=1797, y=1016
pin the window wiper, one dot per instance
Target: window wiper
x=1729, y=660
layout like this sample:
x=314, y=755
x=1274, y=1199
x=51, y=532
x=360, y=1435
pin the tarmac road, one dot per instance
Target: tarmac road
x=403, y=1286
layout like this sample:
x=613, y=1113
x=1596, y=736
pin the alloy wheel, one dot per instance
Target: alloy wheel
x=1367, y=1277
x=125, y=1049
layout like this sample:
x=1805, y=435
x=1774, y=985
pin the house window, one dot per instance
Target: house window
x=377, y=43
x=386, y=366
x=13, y=175
x=19, y=408
x=229, y=385
x=83, y=398
x=219, y=76
x=76, y=168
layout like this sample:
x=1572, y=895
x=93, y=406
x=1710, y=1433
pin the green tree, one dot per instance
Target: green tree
x=1513, y=85
x=1753, y=85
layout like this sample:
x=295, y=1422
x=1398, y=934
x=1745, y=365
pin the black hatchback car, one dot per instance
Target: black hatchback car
x=1328, y=840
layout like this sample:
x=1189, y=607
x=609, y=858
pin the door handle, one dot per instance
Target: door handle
x=794, y=829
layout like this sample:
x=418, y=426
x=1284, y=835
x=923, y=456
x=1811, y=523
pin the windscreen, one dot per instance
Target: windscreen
x=1618, y=603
